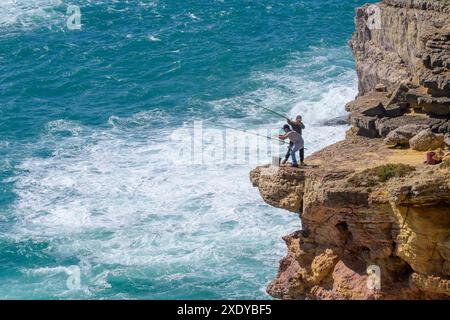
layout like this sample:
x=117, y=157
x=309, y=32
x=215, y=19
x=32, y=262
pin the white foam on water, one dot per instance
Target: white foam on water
x=62, y=126
x=112, y=198
x=29, y=13
x=193, y=16
x=316, y=84
x=140, y=120
x=153, y=38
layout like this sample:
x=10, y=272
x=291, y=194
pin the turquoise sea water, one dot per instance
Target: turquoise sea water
x=86, y=116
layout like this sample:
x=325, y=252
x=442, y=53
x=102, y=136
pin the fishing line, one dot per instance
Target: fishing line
x=254, y=133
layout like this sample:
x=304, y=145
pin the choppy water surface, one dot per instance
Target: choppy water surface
x=86, y=177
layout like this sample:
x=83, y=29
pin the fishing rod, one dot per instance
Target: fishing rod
x=274, y=112
x=270, y=110
x=254, y=133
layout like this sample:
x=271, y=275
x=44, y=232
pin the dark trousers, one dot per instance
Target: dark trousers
x=288, y=153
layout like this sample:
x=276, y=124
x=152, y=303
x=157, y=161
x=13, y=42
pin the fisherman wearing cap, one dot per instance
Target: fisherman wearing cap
x=297, y=126
x=295, y=139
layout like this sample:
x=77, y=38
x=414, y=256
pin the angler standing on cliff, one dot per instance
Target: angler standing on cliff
x=297, y=126
x=295, y=139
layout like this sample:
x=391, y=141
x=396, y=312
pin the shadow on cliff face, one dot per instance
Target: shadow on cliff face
x=345, y=234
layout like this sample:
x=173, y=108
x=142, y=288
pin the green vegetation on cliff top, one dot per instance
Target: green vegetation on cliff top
x=373, y=176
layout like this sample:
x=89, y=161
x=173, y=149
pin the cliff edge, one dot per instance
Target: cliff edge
x=376, y=219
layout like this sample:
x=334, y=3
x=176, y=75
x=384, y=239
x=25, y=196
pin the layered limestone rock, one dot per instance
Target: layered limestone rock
x=359, y=213
x=402, y=54
x=376, y=218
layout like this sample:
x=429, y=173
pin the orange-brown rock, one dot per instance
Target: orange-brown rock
x=406, y=54
x=400, y=225
x=375, y=219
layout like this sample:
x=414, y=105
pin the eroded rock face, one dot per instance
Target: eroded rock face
x=408, y=55
x=279, y=186
x=403, y=134
x=401, y=226
x=426, y=140
x=412, y=36
x=386, y=237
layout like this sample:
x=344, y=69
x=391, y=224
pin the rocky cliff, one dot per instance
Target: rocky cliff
x=403, y=66
x=376, y=219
